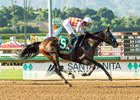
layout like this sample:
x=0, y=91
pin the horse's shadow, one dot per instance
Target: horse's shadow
x=117, y=86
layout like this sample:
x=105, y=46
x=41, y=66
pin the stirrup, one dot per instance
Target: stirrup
x=71, y=46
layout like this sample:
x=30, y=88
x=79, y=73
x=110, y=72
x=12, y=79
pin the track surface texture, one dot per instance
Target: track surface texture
x=81, y=90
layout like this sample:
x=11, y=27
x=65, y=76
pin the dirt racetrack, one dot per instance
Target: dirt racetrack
x=81, y=90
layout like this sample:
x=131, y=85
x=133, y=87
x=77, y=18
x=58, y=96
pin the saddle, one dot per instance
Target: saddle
x=64, y=42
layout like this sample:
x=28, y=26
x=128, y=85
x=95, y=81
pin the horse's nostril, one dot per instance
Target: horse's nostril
x=117, y=44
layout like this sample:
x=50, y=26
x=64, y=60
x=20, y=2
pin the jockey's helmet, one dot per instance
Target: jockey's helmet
x=88, y=20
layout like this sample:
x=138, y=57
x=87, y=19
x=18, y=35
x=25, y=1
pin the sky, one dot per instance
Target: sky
x=120, y=7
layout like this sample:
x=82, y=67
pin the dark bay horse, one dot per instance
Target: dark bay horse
x=83, y=52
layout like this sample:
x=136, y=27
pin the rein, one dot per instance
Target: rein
x=102, y=38
x=98, y=37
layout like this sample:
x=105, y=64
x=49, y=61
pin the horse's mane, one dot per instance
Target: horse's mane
x=97, y=32
x=90, y=34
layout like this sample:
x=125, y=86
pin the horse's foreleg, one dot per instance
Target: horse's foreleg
x=94, y=63
x=91, y=70
x=93, y=67
x=102, y=67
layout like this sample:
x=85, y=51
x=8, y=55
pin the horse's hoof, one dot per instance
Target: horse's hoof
x=61, y=67
x=73, y=76
x=110, y=78
x=84, y=74
x=68, y=84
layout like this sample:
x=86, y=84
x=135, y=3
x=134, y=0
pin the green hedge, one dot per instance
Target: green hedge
x=21, y=35
x=30, y=29
x=20, y=29
x=7, y=36
x=6, y=30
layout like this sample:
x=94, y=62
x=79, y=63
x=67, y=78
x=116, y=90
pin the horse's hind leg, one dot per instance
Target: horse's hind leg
x=68, y=72
x=62, y=77
x=58, y=69
x=51, y=52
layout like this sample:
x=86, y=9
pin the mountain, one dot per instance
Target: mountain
x=119, y=7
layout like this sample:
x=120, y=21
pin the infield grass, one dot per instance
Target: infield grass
x=15, y=74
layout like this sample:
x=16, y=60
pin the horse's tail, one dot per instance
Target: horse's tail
x=30, y=51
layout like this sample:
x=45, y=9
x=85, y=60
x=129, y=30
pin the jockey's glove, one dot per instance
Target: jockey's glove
x=72, y=35
x=83, y=33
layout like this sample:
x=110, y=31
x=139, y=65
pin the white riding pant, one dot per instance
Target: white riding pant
x=67, y=26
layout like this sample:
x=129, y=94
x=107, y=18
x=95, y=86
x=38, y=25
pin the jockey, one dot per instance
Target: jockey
x=79, y=25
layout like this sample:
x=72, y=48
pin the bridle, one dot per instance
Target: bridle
x=105, y=37
x=111, y=41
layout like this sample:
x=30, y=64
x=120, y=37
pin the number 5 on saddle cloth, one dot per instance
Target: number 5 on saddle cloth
x=64, y=41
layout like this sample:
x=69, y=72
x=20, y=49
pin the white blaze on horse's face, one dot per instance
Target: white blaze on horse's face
x=110, y=39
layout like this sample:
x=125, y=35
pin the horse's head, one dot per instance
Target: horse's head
x=109, y=38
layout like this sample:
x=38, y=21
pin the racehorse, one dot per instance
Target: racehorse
x=83, y=52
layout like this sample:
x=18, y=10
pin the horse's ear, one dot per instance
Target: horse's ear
x=108, y=29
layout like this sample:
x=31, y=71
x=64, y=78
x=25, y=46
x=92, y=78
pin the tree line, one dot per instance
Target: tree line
x=12, y=18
